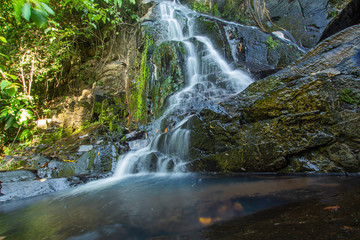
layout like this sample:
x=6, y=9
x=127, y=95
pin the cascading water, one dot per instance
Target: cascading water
x=168, y=151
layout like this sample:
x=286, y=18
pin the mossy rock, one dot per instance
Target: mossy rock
x=293, y=121
x=168, y=78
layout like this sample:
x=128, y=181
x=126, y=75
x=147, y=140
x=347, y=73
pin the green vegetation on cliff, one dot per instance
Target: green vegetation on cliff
x=49, y=49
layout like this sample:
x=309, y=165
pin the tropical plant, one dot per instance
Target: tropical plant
x=15, y=109
x=34, y=10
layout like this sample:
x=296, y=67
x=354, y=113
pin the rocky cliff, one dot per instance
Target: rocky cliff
x=304, y=118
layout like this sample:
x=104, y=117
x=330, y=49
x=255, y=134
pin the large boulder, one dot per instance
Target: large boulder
x=304, y=19
x=349, y=16
x=304, y=118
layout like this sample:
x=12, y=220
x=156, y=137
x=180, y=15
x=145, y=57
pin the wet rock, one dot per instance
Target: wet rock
x=23, y=189
x=167, y=64
x=295, y=120
x=348, y=17
x=95, y=162
x=15, y=176
x=136, y=135
x=304, y=19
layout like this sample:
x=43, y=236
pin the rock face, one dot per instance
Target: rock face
x=304, y=118
x=23, y=189
x=304, y=19
x=167, y=65
x=348, y=17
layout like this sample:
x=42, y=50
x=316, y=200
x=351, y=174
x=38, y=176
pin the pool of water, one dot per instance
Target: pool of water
x=144, y=206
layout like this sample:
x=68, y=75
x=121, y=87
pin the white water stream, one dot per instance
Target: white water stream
x=168, y=151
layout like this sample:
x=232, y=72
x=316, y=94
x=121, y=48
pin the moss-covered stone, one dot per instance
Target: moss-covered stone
x=168, y=65
x=290, y=122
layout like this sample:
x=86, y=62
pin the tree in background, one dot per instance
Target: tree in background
x=41, y=42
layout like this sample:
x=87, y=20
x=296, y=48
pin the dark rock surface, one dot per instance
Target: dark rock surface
x=303, y=19
x=304, y=118
x=349, y=16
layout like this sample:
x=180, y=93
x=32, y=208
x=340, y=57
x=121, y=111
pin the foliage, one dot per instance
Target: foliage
x=15, y=110
x=271, y=43
x=34, y=10
x=44, y=48
x=206, y=7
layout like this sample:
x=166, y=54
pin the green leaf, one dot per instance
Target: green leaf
x=132, y=1
x=119, y=3
x=3, y=39
x=47, y=9
x=12, y=76
x=26, y=11
x=5, y=56
x=9, y=123
x=11, y=91
x=39, y=17
x=4, y=84
x=93, y=24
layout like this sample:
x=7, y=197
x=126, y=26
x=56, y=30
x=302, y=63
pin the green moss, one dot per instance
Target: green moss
x=111, y=112
x=139, y=95
x=167, y=58
x=349, y=96
x=51, y=137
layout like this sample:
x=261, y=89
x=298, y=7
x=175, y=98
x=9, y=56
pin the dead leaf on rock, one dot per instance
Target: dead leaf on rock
x=347, y=228
x=45, y=164
x=238, y=206
x=332, y=208
x=205, y=221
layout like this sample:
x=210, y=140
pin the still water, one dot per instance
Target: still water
x=144, y=206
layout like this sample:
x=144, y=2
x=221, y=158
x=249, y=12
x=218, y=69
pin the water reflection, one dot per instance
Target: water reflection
x=141, y=206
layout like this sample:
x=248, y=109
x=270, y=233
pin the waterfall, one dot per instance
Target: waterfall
x=169, y=151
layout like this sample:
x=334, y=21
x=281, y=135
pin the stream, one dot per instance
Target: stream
x=150, y=205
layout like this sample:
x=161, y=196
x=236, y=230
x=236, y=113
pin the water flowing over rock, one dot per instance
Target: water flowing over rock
x=304, y=118
x=181, y=58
